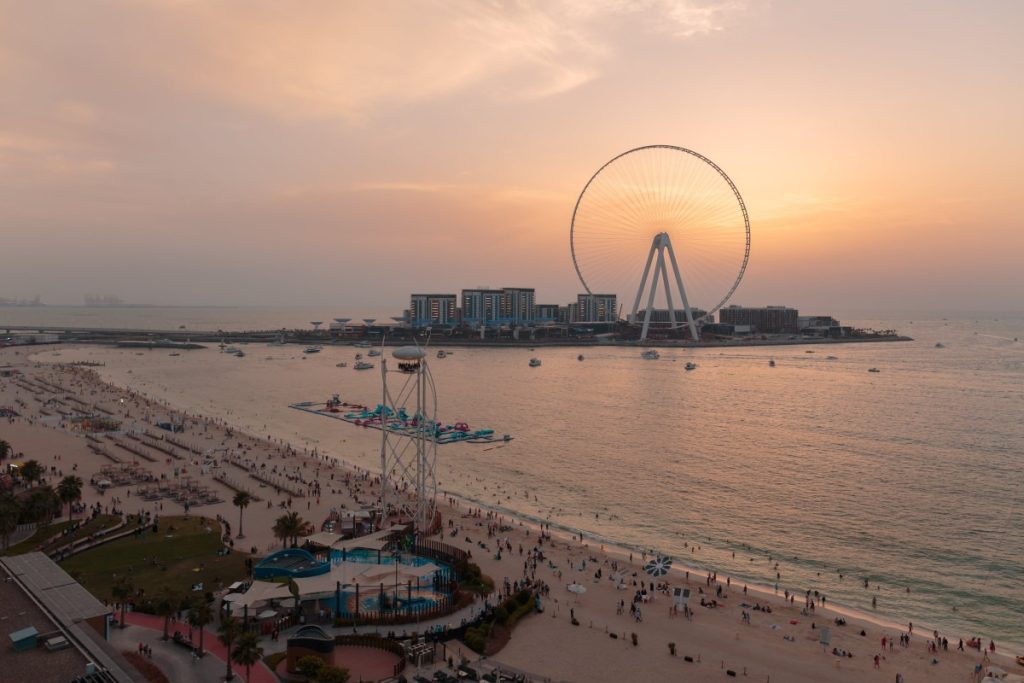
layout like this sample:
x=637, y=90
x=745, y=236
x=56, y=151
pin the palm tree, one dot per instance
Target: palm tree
x=291, y=526
x=43, y=504
x=227, y=633
x=121, y=591
x=199, y=616
x=247, y=651
x=166, y=605
x=241, y=501
x=5, y=450
x=9, y=510
x=69, y=490
x=31, y=472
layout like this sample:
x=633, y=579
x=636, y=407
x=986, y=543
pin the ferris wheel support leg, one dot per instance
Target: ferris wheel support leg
x=682, y=293
x=668, y=292
x=643, y=281
x=659, y=266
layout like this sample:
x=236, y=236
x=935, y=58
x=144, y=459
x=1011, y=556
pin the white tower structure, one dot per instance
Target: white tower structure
x=408, y=450
x=316, y=324
x=659, y=247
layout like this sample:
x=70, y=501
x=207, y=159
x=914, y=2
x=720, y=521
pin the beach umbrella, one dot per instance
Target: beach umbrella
x=659, y=566
x=576, y=588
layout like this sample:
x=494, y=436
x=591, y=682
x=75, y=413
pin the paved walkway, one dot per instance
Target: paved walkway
x=213, y=647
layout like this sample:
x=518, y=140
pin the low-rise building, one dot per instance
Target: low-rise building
x=763, y=320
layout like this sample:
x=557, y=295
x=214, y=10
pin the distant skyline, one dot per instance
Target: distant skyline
x=347, y=154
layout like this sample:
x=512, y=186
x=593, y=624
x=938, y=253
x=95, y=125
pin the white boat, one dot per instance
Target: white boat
x=873, y=370
x=312, y=349
x=771, y=363
x=232, y=349
x=362, y=345
x=373, y=352
x=441, y=353
x=690, y=365
x=240, y=354
x=535, y=362
x=650, y=354
x=362, y=365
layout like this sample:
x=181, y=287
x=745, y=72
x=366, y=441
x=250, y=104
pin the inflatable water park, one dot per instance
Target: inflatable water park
x=383, y=417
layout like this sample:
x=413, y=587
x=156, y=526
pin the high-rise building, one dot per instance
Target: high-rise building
x=432, y=309
x=546, y=313
x=766, y=320
x=596, y=308
x=517, y=305
x=482, y=306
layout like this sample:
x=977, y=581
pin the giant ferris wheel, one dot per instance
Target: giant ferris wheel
x=662, y=228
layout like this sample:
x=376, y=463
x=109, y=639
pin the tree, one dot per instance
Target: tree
x=69, y=490
x=43, y=505
x=332, y=674
x=121, y=591
x=5, y=450
x=166, y=605
x=291, y=526
x=9, y=510
x=309, y=666
x=241, y=501
x=199, y=615
x=227, y=633
x=247, y=651
x=32, y=472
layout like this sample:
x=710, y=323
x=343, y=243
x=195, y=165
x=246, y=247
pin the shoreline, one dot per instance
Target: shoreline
x=561, y=531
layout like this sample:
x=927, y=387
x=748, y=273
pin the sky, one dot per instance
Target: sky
x=349, y=153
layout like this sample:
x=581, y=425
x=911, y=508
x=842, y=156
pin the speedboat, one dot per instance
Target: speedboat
x=940, y=345
x=362, y=345
x=771, y=362
x=873, y=370
x=374, y=352
x=690, y=365
x=232, y=349
x=240, y=354
x=175, y=353
x=441, y=353
x=535, y=362
x=363, y=365
x=831, y=358
x=650, y=354
x=342, y=364
x=312, y=349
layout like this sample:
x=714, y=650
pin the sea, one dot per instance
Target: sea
x=899, y=494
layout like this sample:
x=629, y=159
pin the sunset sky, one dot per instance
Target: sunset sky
x=343, y=153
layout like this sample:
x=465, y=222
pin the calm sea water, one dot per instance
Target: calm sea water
x=912, y=477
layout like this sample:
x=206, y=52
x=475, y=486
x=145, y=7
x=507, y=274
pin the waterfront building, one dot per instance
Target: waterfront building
x=546, y=313
x=596, y=308
x=482, y=306
x=764, y=320
x=433, y=309
x=517, y=305
x=664, y=316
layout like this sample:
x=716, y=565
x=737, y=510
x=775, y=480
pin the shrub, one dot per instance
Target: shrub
x=501, y=615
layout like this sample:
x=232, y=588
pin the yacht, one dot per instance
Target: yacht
x=240, y=354
x=312, y=349
x=771, y=363
x=873, y=370
x=373, y=352
x=650, y=354
x=232, y=349
x=535, y=362
x=362, y=365
x=690, y=365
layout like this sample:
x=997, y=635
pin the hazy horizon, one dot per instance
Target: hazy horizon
x=325, y=154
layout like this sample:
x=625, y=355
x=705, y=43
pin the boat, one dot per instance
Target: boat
x=809, y=351
x=231, y=349
x=342, y=364
x=441, y=353
x=831, y=358
x=535, y=362
x=940, y=345
x=771, y=363
x=579, y=357
x=362, y=345
x=174, y=353
x=362, y=365
x=359, y=356
x=374, y=352
x=312, y=349
x=240, y=354
x=690, y=365
x=650, y=354
x=873, y=370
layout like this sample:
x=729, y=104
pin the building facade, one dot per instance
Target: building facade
x=517, y=305
x=433, y=309
x=765, y=320
x=482, y=306
x=596, y=308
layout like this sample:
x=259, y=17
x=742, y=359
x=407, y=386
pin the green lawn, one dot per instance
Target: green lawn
x=178, y=559
x=41, y=535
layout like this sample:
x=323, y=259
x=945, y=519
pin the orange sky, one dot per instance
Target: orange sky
x=188, y=152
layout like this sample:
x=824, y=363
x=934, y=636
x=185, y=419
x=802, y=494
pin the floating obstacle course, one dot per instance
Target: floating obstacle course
x=400, y=422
